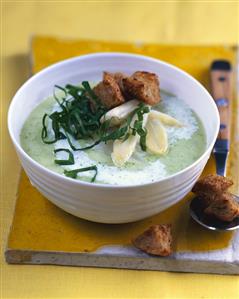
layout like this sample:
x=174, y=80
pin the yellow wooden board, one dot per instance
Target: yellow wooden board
x=38, y=225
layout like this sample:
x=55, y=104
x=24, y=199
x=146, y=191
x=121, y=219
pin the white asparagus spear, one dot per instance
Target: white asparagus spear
x=165, y=118
x=120, y=113
x=156, y=138
x=123, y=150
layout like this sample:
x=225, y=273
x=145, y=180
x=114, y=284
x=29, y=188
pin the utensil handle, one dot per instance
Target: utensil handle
x=221, y=88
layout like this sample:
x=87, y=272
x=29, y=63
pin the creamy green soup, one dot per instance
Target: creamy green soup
x=186, y=145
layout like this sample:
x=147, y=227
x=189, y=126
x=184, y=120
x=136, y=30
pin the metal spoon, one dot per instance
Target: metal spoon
x=196, y=211
x=221, y=85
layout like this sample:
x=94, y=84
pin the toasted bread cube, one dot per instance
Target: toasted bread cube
x=156, y=240
x=212, y=183
x=119, y=80
x=224, y=207
x=109, y=91
x=143, y=86
x=207, y=199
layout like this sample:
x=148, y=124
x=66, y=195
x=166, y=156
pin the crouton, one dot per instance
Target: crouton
x=217, y=202
x=156, y=240
x=119, y=80
x=143, y=86
x=212, y=183
x=109, y=91
x=224, y=207
x=206, y=198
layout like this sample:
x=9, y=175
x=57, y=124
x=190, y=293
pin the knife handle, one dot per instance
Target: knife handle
x=221, y=88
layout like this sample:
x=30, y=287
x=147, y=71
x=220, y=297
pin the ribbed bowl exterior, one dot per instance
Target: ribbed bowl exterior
x=104, y=203
x=113, y=205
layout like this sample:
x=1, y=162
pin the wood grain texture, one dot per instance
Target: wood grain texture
x=221, y=88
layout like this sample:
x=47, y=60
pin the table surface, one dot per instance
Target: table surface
x=194, y=23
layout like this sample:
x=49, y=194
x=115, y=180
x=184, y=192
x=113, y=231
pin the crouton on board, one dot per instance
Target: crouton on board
x=143, y=86
x=156, y=240
x=109, y=91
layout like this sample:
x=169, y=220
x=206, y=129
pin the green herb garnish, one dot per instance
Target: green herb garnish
x=81, y=111
x=78, y=117
x=138, y=126
x=73, y=173
x=81, y=148
x=69, y=161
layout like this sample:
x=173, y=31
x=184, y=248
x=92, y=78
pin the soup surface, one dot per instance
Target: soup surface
x=186, y=145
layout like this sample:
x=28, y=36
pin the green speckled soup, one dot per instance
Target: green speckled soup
x=186, y=145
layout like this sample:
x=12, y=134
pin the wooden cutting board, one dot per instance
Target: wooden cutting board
x=41, y=233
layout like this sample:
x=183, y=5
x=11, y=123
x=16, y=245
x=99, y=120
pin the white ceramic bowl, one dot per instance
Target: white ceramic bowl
x=105, y=203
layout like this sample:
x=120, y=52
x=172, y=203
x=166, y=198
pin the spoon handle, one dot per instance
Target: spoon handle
x=221, y=88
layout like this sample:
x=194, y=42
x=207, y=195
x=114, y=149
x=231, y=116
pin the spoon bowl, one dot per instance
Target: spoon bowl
x=212, y=223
